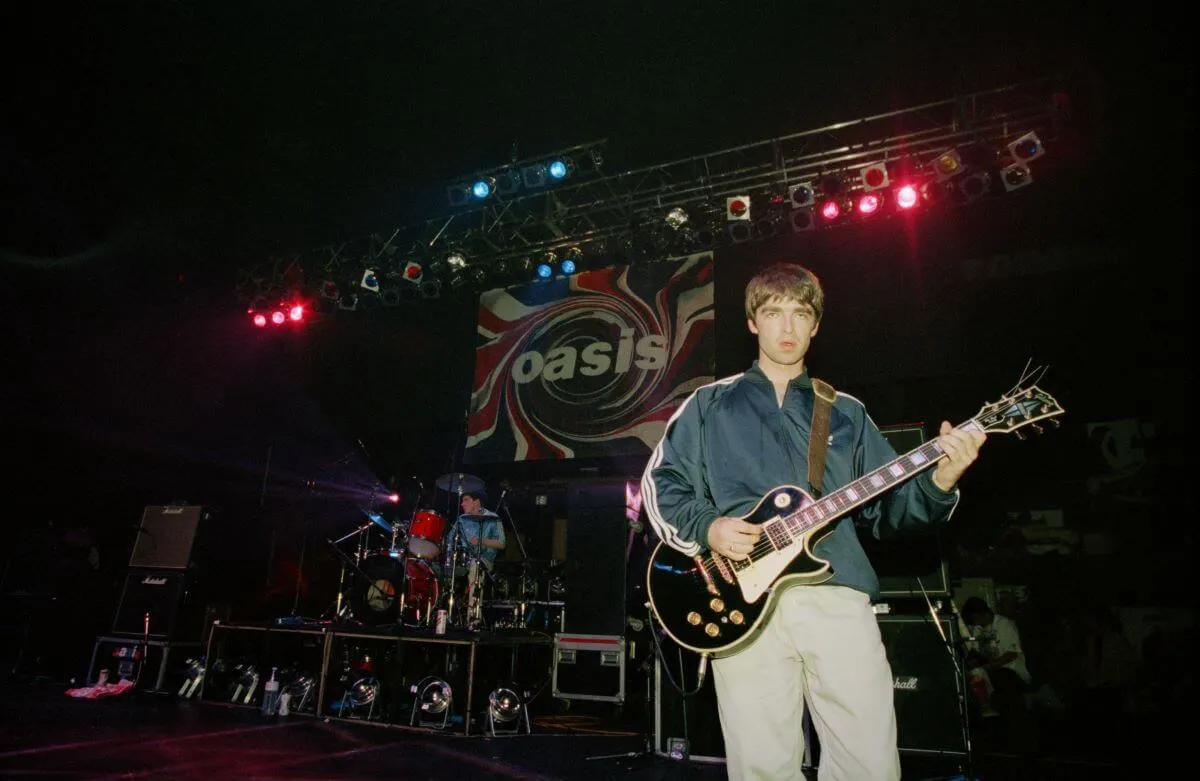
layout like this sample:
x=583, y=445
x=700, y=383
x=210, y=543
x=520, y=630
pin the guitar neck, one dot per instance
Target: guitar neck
x=869, y=486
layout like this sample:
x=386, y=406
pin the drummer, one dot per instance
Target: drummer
x=479, y=529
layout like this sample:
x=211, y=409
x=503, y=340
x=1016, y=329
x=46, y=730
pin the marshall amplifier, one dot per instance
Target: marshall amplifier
x=163, y=600
x=927, y=687
x=167, y=535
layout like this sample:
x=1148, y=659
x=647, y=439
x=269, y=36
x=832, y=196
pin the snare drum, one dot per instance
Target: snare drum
x=425, y=535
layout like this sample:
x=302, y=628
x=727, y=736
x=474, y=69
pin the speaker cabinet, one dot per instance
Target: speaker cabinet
x=166, y=537
x=597, y=533
x=928, y=689
x=906, y=565
x=164, y=599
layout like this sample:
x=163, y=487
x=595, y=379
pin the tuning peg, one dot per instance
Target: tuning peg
x=1054, y=422
x=1019, y=434
x=1036, y=427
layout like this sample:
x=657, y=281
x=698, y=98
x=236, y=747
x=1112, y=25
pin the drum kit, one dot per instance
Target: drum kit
x=428, y=576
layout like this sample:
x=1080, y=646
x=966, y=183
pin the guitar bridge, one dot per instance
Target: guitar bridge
x=708, y=582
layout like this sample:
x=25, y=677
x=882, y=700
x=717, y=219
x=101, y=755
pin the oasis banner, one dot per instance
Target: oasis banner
x=590, y=365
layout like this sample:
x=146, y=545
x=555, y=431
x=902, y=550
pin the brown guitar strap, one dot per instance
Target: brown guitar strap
x=818, y=439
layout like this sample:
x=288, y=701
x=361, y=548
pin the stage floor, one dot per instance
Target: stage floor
x=140, y=735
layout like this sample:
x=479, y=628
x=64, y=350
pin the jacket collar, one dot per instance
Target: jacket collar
x=755, y=373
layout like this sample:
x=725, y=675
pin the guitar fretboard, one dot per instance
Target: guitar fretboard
x=791, y=527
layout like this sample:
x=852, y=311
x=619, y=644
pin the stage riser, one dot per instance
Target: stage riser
x=336, y=661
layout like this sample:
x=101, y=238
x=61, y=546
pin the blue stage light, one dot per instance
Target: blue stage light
x=558, y=169
x=544, y=271
x=481, y=189
x=568, y=266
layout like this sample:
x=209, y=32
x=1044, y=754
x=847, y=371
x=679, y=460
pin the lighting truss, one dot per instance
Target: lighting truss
x=505, y=230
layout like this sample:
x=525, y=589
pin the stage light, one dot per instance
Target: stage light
x=483, y=188
x=431, y=288
x=869, y=204
x=976, y=185
x=458, y=194
x=831, y=185
x=433, y=703
x=560, y=169
x=260, y=319
x=349, y=302
x=508, y=182
x=802, y=220
x=370, y=281
x=278, y=317
x=507, y=713
x=456, y=260
x=329, y=289
x=737, y=208
x=874, y=177
x=830, y=210
x=567, y=266
x=534, y=175
x=676, y=218
x=296, y=313
x=1027, y=147
x=740, y=232
x=390, y=296
x=544, y=271
x=801, y=194
x=412, y=272
x=932, y=193
x=947, y=165
x=1015, y=176
x=394, y=498
x=906, y=197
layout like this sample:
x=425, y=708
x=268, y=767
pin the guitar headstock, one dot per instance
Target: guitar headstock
x=1018, y=409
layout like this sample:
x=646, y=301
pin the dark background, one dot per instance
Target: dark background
x=151, y=150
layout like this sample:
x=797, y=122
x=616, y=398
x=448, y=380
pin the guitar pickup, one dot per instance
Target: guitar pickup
x=723, y=567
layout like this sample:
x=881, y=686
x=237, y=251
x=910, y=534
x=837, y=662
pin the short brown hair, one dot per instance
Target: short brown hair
x=786, y=281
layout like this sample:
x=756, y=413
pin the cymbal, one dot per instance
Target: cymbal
x=456, y=481
x=378, y=520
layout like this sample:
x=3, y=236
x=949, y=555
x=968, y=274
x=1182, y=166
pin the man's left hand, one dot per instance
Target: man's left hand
x=961, y=449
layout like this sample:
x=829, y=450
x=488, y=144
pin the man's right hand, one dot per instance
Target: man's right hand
x=732, y=537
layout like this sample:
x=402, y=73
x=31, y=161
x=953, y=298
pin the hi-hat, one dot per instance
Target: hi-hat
x=459, y=481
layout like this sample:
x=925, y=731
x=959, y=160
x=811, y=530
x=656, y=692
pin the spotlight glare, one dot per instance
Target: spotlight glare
x=906, y=196
x=544, y=271
x=481, y=189
x=568, y=266
x=277, y=317
x=830, y=210
x=868, y=204
x=260, y=320
x=558, y=169
x=296, y=313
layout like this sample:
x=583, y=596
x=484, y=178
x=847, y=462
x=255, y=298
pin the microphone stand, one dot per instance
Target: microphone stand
x=960, y=681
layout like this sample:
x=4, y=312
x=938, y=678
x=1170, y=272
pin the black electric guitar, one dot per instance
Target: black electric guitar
x=715, y=605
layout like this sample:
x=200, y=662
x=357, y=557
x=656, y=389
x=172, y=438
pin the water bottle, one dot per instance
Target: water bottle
x=270, y=703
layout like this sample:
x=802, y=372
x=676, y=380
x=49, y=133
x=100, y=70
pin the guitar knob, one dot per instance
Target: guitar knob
x=736, y=617
x=693, y=618
x=717, y=605
x=712, y=630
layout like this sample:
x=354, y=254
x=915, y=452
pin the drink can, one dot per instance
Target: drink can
x=440, y=626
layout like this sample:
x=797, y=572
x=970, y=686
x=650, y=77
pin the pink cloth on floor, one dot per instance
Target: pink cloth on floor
x=101, y=690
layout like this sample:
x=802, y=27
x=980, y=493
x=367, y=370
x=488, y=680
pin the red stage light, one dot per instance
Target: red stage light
x=260, y=320
x=296, y=313
x=906, y=196
x=868, y=204
x=277, y=318
x=830, y=210
x=394, y=498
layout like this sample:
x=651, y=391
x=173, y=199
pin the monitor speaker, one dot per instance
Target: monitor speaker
x=914, y=565
x=597, y=534
x=166, y=537
x=928, y=689
x=160, y=603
